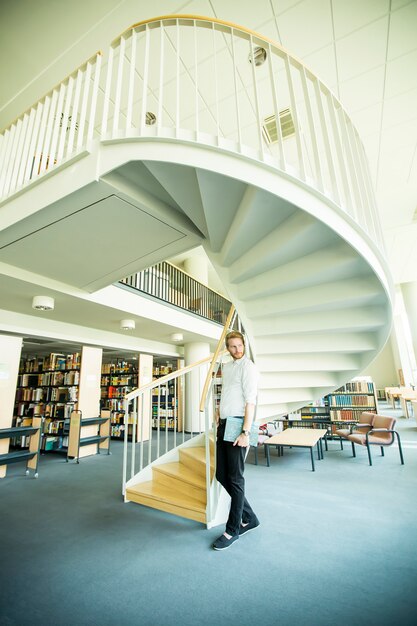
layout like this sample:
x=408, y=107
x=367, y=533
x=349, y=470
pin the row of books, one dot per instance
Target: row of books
x=351, y=400
x=47, y=394
x=119, y=380
x=346, y=415
x=53, y=361
x=119, y=367
x=115, y=392
x=357, y=386
x=49, y=378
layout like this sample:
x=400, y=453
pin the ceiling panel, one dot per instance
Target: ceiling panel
x=352, y=15
x=368, y=121
x=243, y=13
x=401, y=74
x=403, y=31
x=400, y=109
x=363, y=50
x=298, y=40
x=364, y=90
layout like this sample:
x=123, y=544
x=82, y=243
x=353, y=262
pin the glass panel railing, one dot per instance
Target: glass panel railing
x=168, y=283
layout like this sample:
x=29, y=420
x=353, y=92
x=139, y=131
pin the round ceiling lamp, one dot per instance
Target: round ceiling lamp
x=43, y=303
x=177, y=337
x=127, y=325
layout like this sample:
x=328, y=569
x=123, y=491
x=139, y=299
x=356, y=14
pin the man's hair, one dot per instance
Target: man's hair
x=234, y=334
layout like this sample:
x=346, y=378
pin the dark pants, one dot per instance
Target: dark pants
x=229, y=473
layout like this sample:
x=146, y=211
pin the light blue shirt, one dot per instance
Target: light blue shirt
x=239, y=387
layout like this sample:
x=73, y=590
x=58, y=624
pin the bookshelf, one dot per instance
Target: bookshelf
x=118, y=378
x=48, y=387
x=346, y=404
x=167, y=400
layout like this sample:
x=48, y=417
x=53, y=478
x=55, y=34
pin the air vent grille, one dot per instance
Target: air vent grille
x=270, y=130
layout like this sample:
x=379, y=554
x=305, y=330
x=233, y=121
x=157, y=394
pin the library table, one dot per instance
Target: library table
x=298, y=438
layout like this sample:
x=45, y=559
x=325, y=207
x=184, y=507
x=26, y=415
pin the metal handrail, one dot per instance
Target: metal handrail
x=167, y=282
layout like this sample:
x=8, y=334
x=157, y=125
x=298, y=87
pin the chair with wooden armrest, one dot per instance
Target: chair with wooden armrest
x=364, y=426
x=381, y=434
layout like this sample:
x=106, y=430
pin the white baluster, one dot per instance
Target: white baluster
x=65, y=119
x=17, y=164
x=83, y=110
x=45, y=159
x=119, y=82
x=145, y=81
x=94, y=96
x=74, y=114
x=131, y=81
x=25, y=149
x=107, y=93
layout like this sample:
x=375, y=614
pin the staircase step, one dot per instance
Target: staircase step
x=157, y=496
x=299, y=235
x=322, y=266
x=195, y=459
x=179, y=477
x=317, y=342
x=365, y=319
x=334, y=295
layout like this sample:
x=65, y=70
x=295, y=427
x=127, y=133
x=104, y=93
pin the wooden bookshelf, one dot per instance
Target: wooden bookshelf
x=48, y=387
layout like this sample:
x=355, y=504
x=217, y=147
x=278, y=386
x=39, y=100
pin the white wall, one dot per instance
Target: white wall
x=383, y=369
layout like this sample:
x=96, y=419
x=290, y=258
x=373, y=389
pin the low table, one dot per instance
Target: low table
x=298, y=438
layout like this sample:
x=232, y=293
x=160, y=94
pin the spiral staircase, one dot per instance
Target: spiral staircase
x=289, y=226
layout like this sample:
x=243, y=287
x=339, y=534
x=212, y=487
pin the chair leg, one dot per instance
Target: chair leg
x=382, y=451
x=400, y=448
x=256, y=454
x=369, y=453
x=353, y=448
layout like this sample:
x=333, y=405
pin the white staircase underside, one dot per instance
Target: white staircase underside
x=310, y=287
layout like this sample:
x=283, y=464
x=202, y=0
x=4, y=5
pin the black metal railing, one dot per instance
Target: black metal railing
x=168, y=283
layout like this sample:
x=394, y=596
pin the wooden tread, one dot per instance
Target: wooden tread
x=158, y=496
x=195, y=459
x=179, y=477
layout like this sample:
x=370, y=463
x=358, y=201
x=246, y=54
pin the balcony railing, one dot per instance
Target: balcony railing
x=208, y=82
x=168, y=283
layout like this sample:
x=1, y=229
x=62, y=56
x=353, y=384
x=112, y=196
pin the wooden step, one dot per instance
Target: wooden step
x=179, y=477
x=160, y=497
x=195, y=459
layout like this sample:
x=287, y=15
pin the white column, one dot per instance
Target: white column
x=10, y=350
x=194, y=383
x=197, y=267
x=405, y=326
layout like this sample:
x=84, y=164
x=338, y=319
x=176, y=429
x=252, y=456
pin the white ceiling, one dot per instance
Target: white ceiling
x=365, y=50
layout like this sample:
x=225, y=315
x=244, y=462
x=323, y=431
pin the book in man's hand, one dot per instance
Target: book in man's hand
x=233, y=429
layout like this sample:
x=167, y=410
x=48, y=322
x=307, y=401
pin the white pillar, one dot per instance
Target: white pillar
x=405, y=335
x=197, y=267
x=194, y=383
x=10, y=350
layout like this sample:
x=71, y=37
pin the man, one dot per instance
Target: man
x=238, y=399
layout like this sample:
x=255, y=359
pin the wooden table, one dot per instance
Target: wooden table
x=297, y=438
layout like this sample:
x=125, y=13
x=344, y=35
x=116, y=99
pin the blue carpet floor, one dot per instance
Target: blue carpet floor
x=335, y=547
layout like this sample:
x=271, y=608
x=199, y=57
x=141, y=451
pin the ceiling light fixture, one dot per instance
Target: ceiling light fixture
x=177, y=337
x=258, y=55
x=127, y=324
x=150, y=118
x=43, y=303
